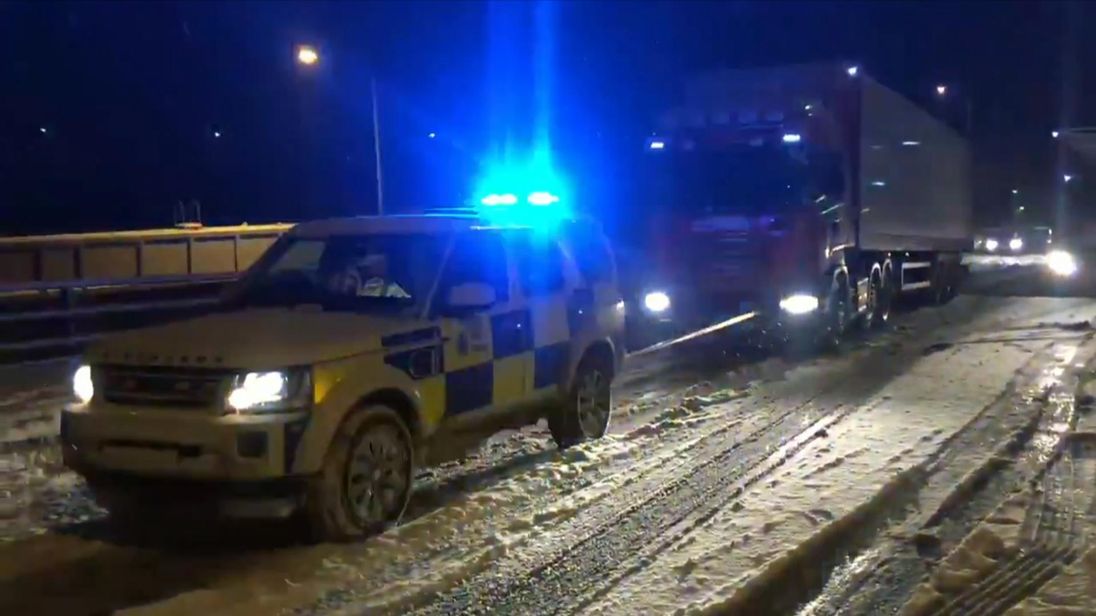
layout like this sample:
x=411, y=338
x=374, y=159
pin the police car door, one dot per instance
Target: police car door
x=545, y=285
x=595, y=305
x=484, y=353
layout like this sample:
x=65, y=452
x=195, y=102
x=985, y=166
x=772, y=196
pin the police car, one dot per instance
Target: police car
x=353, y=351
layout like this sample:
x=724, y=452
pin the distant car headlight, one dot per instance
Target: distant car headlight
x=800, y=303
x=1015, y=244
x=268, y=392
x=656, y=301
x=82, y=385
x=992, y=244
x=1061, y=263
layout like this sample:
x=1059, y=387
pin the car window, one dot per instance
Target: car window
x=347, y=272
x=539, y=263
x=477, y=257
x=590, y=253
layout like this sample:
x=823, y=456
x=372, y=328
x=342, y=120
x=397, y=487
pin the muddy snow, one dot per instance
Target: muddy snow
x=751, y=469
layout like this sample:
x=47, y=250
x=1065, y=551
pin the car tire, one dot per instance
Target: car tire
x=584, y=413
x=366, y=479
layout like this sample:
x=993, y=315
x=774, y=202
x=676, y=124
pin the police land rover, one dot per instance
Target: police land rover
x=351, y=352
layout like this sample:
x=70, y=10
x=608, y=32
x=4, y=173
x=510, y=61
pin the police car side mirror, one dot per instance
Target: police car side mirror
x=469, y=296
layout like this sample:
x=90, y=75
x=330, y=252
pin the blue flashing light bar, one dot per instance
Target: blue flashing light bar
x=542, y=198
x=495, y=199
x=656, y=144
x=792, y=138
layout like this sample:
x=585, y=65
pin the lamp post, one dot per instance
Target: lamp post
x=309, y=57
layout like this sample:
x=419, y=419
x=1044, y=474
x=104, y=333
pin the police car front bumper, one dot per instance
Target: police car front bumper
x=241, y=460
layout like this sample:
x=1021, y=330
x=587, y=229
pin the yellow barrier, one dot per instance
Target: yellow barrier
x=128, y=255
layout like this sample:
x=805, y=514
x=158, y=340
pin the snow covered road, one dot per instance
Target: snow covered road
x=724, y=487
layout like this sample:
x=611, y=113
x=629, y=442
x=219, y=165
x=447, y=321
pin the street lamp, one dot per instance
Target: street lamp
x=1015, y=191
x=941, y=90
x=1054, y=134
x=309, y=57
x=1067, y=178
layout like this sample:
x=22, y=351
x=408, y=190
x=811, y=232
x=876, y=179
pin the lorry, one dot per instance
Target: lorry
x=808, y=196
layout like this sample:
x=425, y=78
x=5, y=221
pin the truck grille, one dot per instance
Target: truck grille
x=727, y=260
x=160, y=386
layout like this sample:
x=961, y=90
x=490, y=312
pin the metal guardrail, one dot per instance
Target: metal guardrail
x=41, y=321
x=58, y=292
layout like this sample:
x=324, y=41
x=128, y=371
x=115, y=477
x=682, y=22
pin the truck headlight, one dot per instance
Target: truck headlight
x=1061, y=263
x=799, y=303
x=656, y=301
x=992, y=244
x=1015, y=244
x=273, y=391
x=82, y=385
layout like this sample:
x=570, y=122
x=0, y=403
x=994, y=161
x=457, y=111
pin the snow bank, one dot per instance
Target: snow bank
x=1071, y=593
x=997, y=538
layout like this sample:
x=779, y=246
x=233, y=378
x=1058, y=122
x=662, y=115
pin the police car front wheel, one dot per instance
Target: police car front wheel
x=366, y=479
x=585, y=413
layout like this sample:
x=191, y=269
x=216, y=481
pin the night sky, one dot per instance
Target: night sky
x=113, y=113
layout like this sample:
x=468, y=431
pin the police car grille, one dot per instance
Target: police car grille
x=159, y=386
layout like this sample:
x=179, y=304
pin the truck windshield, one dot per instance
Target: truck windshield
x=385, y=273
x=746, y=180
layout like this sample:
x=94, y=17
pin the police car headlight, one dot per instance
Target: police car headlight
x=1015, y=244
x=270, y=392
x=656, y=301
x=800, y=303
x=82, y=385
x=992, y=244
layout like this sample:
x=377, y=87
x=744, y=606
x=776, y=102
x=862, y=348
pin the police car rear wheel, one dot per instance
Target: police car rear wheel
x=366, y=479
x=585, y=413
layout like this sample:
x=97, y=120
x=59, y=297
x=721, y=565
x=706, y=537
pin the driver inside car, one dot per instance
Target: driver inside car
x=352, y=276
x=376, y=279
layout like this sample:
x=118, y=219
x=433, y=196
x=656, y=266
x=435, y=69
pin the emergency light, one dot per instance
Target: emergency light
x=530, y=194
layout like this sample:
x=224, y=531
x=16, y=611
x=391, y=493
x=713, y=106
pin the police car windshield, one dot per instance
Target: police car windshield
x=385, y=273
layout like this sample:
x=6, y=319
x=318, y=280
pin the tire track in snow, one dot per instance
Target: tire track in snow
x=588, y=558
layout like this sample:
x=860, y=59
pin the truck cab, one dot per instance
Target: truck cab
x=805, y=196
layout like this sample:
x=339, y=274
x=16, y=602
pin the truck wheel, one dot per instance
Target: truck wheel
x=836, y=317
x=880, y=300
x=943, y=284
x=366, y=479
x=584, y=414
